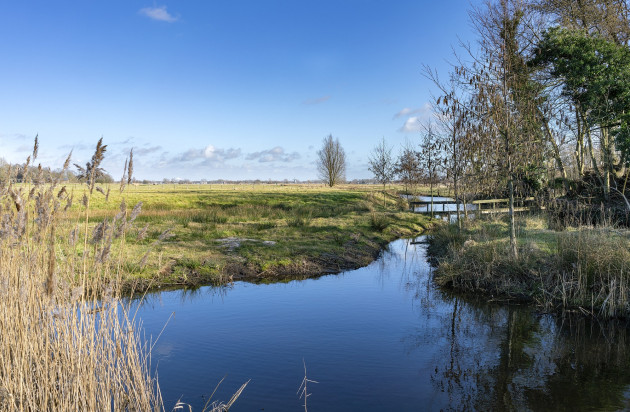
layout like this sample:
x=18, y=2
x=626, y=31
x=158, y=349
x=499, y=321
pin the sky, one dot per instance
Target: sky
x=219, y=89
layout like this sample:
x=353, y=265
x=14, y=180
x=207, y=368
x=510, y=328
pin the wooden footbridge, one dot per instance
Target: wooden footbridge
x=483, y=206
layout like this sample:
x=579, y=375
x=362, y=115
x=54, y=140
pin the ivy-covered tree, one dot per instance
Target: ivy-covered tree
x=595, y=76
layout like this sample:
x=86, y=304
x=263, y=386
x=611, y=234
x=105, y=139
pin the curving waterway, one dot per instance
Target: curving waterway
x=380, y=338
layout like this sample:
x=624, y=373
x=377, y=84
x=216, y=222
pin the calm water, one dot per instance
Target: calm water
x=380, y=338
x=440, y=209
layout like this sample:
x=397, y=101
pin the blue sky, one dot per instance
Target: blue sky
x=227, y=89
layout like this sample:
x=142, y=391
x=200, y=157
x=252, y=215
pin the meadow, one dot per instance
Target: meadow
x=71, y=255
x=187, y=235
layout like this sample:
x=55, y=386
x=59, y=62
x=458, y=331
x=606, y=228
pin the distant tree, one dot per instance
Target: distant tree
x=331, y=162
x=104, y=177
x=381, y=163
x=407, y=167
x=429, y=158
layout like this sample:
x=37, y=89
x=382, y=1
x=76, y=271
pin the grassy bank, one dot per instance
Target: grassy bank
x=197, y=234
x=585, y=269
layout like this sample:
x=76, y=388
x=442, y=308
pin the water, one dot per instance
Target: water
x=380, y=338
x=440, y=209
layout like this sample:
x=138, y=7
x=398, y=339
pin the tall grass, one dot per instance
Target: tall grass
x=67, y=341
x=586, y=268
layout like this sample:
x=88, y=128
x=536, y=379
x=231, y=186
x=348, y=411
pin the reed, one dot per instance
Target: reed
x=67, y=339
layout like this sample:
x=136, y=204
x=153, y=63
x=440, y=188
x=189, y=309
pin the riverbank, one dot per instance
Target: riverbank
x=584, y=269
x=189, y=235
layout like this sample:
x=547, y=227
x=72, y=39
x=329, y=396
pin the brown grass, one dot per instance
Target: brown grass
x=67, y=340
x=585, y=269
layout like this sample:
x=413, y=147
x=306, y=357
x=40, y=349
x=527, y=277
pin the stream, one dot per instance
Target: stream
x=382, y=337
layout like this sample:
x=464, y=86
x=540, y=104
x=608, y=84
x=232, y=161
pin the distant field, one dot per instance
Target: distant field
x=255, y=232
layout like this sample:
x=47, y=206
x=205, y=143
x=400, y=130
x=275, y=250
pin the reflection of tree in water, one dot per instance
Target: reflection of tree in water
x=507, y=358
x=592, y=367
x=153, y=298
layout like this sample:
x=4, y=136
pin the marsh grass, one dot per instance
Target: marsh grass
x=301, y=217
x=68, y=341
x=378, y=221
x=585, y=268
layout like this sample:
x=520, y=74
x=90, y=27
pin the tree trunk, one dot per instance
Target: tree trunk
x=384, y=197
x=431, y=188
x=606, y=160
x=556, y=155
x=465, y=207
x=593, y=160
x=579, y=145
x=456, y=194
x=513, y=246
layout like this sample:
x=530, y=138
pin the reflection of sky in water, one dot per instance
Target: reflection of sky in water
x=379, y=338
x=438, y=208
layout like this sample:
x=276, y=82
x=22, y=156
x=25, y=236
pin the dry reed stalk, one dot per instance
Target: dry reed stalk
x=67, y=340
x=56, y=353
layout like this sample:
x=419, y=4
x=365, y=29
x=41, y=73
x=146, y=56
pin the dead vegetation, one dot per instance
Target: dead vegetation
x=585, y=268
x=67, y=340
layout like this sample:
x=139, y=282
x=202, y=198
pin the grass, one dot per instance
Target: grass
x=584, y=268
x=68, y=340
x=280, y=230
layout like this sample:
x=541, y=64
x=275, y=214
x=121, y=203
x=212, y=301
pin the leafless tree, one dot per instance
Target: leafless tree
x=381, y=163
x=331, y=162
x=407, y=167
x=429, y=158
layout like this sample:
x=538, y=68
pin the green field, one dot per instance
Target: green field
x=263, y=232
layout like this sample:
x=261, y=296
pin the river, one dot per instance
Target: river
x=382, y=337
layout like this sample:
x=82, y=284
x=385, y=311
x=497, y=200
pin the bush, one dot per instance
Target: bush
x=378, y=221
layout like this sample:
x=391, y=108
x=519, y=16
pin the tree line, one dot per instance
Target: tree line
x=538, y=105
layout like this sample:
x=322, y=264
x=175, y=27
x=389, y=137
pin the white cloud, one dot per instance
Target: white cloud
x=158, y=13
x=210, y=156
x=404, y=112
x=413, y=124
x=407, y=111
x=276, y=154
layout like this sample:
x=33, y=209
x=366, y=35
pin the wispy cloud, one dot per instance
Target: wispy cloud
x=276, y=154
x=407, y=111
x=158, y=13
x=317, y=100
x=412, y=124
x=146, y=150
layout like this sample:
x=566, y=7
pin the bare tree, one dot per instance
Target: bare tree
x=505, y=99
x=429, y=158
x=331, y=162
x=407, y=167
x=381, y=165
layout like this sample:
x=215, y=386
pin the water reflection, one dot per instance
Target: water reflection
x=511, y=358
x=382, y=338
